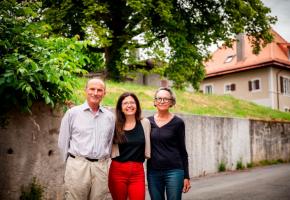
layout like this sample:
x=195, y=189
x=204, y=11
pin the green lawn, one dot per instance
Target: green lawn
x=187, y=102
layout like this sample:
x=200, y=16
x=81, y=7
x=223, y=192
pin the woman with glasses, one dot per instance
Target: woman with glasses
x=167, y=169
x=131, y=147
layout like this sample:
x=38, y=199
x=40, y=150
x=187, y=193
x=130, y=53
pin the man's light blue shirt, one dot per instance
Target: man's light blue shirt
x=83, y=133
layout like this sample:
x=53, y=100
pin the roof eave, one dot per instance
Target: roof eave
x=273, y=63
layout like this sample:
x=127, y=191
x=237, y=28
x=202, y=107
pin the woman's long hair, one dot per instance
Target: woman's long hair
x=119, y=136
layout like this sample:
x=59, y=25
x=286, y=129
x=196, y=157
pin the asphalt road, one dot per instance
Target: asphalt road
x=261, y=183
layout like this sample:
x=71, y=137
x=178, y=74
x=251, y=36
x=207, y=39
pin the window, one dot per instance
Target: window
x=229, y=58
x=255, y=85
x=285, y=85
x=208, y=89
x=230, y=87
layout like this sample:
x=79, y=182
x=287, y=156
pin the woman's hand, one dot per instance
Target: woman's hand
x=186, y=185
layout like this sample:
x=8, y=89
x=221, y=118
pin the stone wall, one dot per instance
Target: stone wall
x=28, y=147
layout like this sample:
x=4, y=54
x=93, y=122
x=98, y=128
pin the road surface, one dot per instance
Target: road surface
x=260, y=183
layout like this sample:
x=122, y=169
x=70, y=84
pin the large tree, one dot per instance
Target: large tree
x=189, y=27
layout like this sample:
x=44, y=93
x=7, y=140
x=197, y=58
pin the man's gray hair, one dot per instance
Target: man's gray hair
x=98, y=80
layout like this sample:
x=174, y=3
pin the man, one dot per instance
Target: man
x=85, y=140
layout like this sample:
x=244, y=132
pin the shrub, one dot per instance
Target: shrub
x=271, y=162
x=33, y=192
x=250, y=165
x=222, y=167
x=240, y=165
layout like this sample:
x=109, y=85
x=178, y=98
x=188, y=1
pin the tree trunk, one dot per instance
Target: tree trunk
x=112, y=57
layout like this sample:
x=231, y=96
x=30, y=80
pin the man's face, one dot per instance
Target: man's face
x=95, y=92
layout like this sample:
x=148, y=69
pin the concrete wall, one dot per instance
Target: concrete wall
x=213, y=140
x=28, y=147
x=269, y=140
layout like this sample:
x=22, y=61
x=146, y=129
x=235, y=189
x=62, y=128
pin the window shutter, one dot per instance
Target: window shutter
x=257, y=84
x=281, y=84
x=233, y=87
x=250, y=85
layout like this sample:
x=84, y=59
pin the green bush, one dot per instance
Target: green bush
x=271, y=162
x=222, y=167
x=250, y=165
x=33, y=192
x=240, y=165
x=280, y=161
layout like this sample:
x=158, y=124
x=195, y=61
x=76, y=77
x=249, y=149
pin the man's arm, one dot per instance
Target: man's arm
x=111, y=134
x=64, y=135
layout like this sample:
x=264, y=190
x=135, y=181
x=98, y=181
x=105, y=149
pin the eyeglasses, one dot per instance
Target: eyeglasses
x=165, y=100
x=127, y=103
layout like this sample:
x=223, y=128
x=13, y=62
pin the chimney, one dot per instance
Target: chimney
x=240, y=47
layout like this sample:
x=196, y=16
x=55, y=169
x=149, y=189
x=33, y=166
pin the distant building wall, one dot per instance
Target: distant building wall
x=241, y=79
x=282, y=100
x=154, y=80
x=269, y=93
x=28, y=147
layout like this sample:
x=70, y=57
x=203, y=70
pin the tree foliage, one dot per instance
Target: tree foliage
x=34, y=64
x=188, y=26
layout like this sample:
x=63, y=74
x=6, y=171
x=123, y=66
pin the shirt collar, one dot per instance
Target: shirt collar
x=87, y=107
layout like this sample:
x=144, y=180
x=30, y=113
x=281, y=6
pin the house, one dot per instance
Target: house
x=263, y=78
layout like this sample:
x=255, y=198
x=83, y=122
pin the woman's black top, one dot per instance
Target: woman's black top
x=133, y=149
x=168, y=150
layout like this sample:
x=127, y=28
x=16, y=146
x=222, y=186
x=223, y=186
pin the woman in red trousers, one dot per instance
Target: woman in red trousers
x=131, y=147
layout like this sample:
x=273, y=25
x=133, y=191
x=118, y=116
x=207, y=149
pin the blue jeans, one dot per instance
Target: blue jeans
x=169, y=181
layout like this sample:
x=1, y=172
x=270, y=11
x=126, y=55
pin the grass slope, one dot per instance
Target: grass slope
x=187, y=102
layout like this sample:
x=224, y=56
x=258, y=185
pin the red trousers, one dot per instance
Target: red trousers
x=127, y=180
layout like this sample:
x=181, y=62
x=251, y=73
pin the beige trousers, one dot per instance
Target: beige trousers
x=86, y=180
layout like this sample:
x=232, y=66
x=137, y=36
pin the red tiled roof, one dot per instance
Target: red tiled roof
x=273, y=53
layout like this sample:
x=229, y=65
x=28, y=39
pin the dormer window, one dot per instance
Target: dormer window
x=229, y=58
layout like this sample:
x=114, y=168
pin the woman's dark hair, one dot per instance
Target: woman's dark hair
x=119, y=136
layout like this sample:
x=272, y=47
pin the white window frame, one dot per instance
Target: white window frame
x=286, y=87
x=260, y=84
x=207, y=85
x=230, y=86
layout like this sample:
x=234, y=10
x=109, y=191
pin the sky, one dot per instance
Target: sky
x=281, y=9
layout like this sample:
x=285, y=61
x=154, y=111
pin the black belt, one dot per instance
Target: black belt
x=89, y=159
